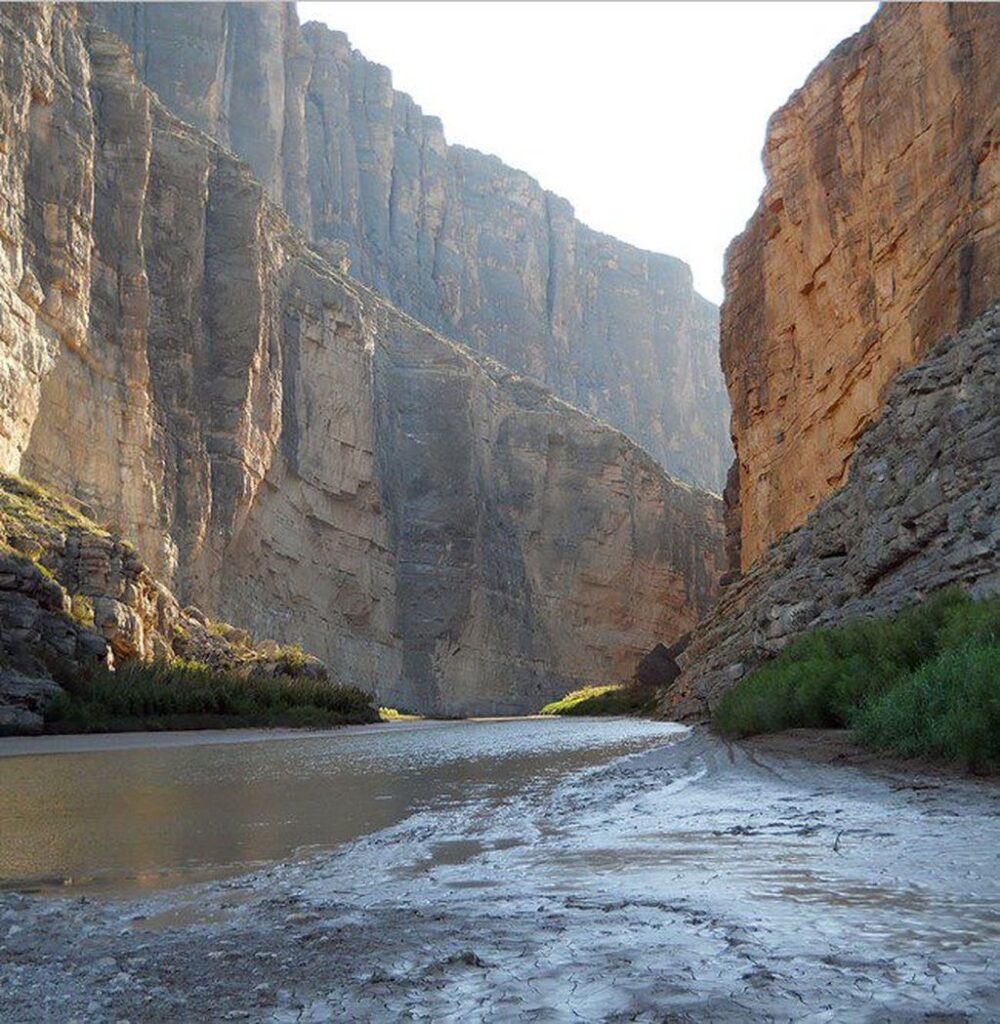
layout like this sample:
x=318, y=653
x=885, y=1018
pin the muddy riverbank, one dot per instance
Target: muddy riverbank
x=695, y=881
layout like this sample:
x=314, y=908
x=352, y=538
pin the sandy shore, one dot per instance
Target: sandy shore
x=835, y=747
x=698, y=882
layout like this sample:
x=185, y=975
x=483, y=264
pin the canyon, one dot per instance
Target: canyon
x=467, y=245
x=287, y=450
x=340, y=381
x=860, y=339
x=286, y=368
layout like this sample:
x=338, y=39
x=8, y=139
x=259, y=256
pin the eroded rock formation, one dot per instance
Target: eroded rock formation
x=920, y=511
x=286, y=449
x=868, y=472
x=876, y=235
x=467, y=245
x=74, y=596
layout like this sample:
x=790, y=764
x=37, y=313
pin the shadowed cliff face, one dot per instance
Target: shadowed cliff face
x=875, y=236
x=535, y=547
x=289, y=451
x=466, y=244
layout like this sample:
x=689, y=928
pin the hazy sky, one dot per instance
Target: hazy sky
x=648, y=117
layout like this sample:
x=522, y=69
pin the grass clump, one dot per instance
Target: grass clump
x=293, y=657
x=190, y=695
x=82, y=610
x=898, y=682
x=948, y=709
x=395, y=715
x=614, y=699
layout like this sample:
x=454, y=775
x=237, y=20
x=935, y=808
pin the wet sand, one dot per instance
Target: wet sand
x=835, y=747
x=696, y=882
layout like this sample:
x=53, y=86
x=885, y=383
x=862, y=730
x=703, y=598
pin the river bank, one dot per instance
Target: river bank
x=696, y=881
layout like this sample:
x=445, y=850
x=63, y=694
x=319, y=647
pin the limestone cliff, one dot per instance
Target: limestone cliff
x=877, y=234
x=868, y=468
x=467, y=245
x=286, y=449
x=73, y=596
x=920, y=510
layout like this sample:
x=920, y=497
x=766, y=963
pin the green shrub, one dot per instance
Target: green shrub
x=838, y=677
x=948, y=708
x=603, y=700
x=144, y=695
x=292, y=657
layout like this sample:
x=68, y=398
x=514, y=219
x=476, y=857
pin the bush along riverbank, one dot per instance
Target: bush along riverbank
x=924, y=683
x=92, y=641
x=604, y=700
x=188, y=695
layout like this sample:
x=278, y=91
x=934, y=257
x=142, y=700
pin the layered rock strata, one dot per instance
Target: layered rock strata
x=920, y=511
x=876, y=234
x=74, y=596
x=469, y=246
x=285, y=448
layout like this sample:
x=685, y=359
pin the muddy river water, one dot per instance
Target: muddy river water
x=524, y=870
x=144, y=811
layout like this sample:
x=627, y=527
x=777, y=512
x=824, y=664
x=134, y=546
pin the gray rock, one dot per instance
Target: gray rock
x=469, y=246
x=287, y=449
x=920, y=511
x=23, y=700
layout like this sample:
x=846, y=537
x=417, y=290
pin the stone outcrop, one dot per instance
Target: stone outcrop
x=920, y=511
x=286, y=449
x=469, y=246
x=74, y=596
x=876, y=235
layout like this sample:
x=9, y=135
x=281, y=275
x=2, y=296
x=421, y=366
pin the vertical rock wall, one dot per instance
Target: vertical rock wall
x=467, y=245
x=287, y=449
x=877, y=233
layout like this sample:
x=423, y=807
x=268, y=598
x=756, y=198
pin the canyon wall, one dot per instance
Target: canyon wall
x=469, y=246
x=867, y=425
x=876, y=235
x=286, y=449
x=920, y=511
x=536, y=547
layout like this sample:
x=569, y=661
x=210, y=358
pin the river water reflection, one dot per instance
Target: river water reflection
x=148, y=811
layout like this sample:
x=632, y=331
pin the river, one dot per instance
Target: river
x=500, y=871
x=148, y=810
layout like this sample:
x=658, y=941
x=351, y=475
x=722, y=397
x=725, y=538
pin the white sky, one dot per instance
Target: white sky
x=648, y=117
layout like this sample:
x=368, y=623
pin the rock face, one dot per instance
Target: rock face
x=74, y=596
x=920, y=511
x=875, y=236
x=469, y=246
x=285, y=448
x=536, y=547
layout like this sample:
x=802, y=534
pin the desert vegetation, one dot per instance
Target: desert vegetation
x=924, y=683
x=603, y=700
x=190, y=695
